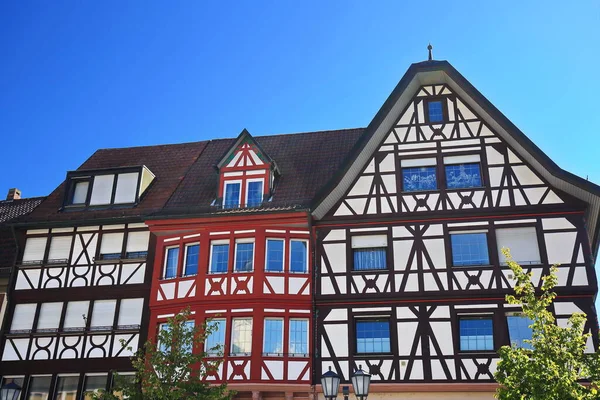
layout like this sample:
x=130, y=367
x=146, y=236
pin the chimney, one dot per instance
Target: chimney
x=13, y=194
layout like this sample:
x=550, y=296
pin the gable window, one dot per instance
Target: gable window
x=215, y=342
x=373, y=336
x=192, y=252
x=298, y=256
x=274, y=259
x=254, y=193
x=369, y=252
x=419, y=174
x=476, y=333
x=298, y=345
x=241, y=336
x=273, y=337
x=469, y=248
x=171, y=260
x=244, y=255
x=435, y=111
x=232, y=195
x=519, y=330
x=80, y=191
x=219, y=257
x=522, y=243
x=102, y=190
x=463, y=171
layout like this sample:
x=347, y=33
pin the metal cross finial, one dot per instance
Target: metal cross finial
x=430, y=47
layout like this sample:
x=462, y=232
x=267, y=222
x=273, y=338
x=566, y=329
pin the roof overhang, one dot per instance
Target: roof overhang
x=441, y=72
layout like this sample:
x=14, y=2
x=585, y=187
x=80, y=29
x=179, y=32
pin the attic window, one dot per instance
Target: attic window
x=107, y=187
x=435, y=111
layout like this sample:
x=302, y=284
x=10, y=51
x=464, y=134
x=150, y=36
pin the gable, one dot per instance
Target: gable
x=245, y=155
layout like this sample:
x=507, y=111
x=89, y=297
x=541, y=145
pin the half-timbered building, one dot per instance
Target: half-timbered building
x=81, y=281
x=411, y=282
x=233, y=244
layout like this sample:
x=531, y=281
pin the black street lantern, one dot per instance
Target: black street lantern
x=360, y=383
x=10, y=391
x=330, y=381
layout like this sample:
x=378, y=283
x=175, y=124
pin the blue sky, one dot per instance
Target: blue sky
x=77, y=76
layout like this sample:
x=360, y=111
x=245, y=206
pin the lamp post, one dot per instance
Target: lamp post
x=10, y=391
x=330, y=381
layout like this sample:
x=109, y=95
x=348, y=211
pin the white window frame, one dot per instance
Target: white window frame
x=262, y=180
x=233, y=182
x=206, y=350
x=244, y=240
x=164, y=272
x=290, y=256
x=282, y=336
x=267, y=254
x=185, y=252
x=232, y=330
x=307, y=354
x=212, y=244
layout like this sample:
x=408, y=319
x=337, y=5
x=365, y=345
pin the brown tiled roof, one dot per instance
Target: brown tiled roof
x=9, y=211
x=168, y=163
x=306, y=161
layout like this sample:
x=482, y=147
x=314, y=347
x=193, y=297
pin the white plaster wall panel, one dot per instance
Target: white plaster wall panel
x=342, y=210
x=416, y=372
x=168, y=290
x=222, y=281
x=359, y=283
x=387, y=164
x=295, y=285
x=341, y=282
x=480, y=199
x=97, y=346
x=131, y=274
x=372, y=208
x=336, y=254
x=385, y=205
x=131, y=340
x=54, y=278
x=69, y=347
x=232, y=368
x=357, y=205
x=566, y=308
x=17, y=351
x=464, y=110
x=275, y=368
x=406, y=334
x=495, y=176
x=560, y=246
x=277, y=283
x=389, y=181
x=519, y=200
x=453, y=200
x=552, y=198
x=336, y=234
x=580, y=277
x=443, y=335
x=493, y=156
x=494, y=365
x=589, y=344
x=362, y=186
x=412, y=283
x=184, y=287
x=81, y=276
x=401, y=254
x=295, y=368
x=391, y=138
x=370, y=167
x=432, y=200
x=400, y=232
x=37, y=351
x=440, y=312
x=32, y=274
x=535, y=194
x=431, y=283
x=437, y=252
x=106, y=274
x=324, y=350
x=437, y=370
x=338, y=336
x=326, y=285
x=525, y=175
x=78, y=257
x=340, y=314
x=580, y=258
x=218, y=373
x=556, y=223
x=512, y=158
x=410, y=203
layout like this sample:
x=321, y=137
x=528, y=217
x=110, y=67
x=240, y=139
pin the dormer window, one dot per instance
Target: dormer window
x=232, y=194
x=105, y=187
x=254, y=193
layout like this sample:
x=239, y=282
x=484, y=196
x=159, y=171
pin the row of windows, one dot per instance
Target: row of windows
x=468, y=248
x=233, y=193
x=241, y=337
x=458, y=176
x=78, y=315
x=476, y=333
x=244, y=253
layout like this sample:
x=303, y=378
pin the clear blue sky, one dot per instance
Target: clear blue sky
x=81, y=75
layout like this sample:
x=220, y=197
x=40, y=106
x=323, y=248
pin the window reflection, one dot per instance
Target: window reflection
x=66, y=388
x=39, y=388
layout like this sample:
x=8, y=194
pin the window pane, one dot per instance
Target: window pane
x=216, y=338
x=370, y=258
x=171, y=265
x=255, y=194
x=469, y=249
x=102, y=189
x=220, y=258
x=476, y=334
x=273, y=336
x=241, y=336
x=274, y=255
x=93, y=384
x=435, y=111
x=163, y=346
x=373, y=337
x=519, y=330
x=187, y=345
x=419, y=178
x=463, y=176
x=191, y=259
x=39, y=388
x=298, y=261
x=80, y=192
x=66, y=388
x=299, y=337
x=244, y=256
x=232, y=195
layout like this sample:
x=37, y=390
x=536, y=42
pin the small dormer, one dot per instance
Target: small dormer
x=103, y=188
x=246, y=174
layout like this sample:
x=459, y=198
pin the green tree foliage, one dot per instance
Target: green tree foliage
x=556, y=366
x=168, y=369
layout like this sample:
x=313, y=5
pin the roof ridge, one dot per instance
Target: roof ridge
x=154, y=145
x=23, y=198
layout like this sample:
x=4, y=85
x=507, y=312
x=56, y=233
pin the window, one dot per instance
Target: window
x=103, y=315
x=469, y=249
x=171, y=260
x=369, y=252
x=93, y=384
x=126, y=188
x=188, y=345
x=39, y=388
x=137, y=245
x=164, y=347
x=373, y=336
x=241, y=336
x=519, y=330
x=219, y=257
x=254, y=193
x=111, y=246
x=66, y=387
x=130, y=313
x=461, y=176
x=244, y=256
x=419, y=174
x=523, y=245
x=476, y=333
x=232, y=195
x=215, y=342
x=102, y=189
x=22, y=320
x=435, y=111
x=274, y=255
x=298, y=337
x=192, y=251
x=35, y=247
x=273, y=337
x=76, y=315
x=49, y=317
x=80, y=191
x=298, y=256
x=17, y=380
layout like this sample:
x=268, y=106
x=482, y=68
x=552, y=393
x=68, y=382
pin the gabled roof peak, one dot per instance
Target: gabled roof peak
x=243, y=138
